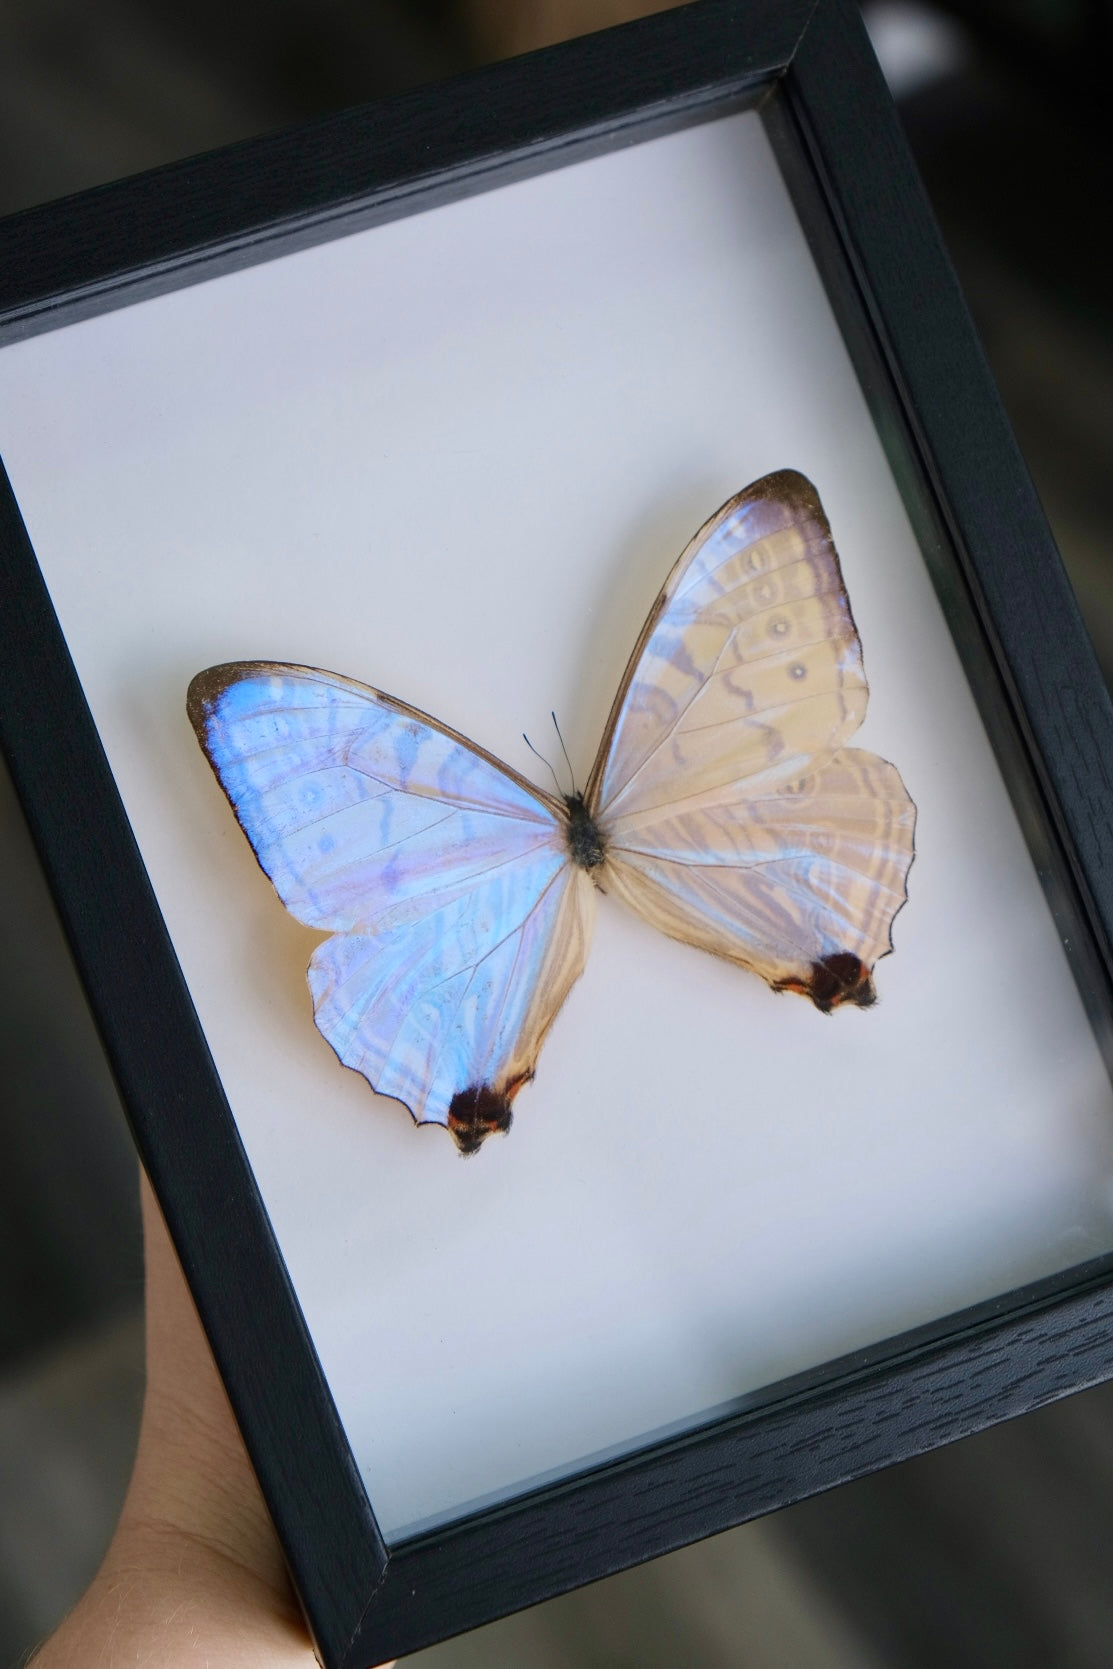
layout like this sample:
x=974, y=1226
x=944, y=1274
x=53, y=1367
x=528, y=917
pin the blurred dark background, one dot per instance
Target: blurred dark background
x=997, y=1551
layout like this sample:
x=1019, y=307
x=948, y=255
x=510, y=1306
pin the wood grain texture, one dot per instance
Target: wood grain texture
x=1049, y=717
x=263, y=198
x=972, y=465
x=823, y=1428
x=176, y=1105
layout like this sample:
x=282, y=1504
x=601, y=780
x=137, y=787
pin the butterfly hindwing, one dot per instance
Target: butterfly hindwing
x=733, y=815
x=448, y=1013
x=725, y=807
x=460, y=923
x=799, y=883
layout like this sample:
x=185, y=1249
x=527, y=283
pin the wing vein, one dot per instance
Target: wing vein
x=487, y=954
x=666, y=734
x=744, y=868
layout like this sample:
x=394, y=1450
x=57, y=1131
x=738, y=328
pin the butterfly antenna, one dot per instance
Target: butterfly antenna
x=564, y=751
x=544, y=762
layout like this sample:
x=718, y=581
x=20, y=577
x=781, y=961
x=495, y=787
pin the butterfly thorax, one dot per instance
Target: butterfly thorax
x=585, y=838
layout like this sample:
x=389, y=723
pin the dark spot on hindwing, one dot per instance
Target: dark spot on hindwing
x=585, y=838
x=834, y=980
x=476, y=1113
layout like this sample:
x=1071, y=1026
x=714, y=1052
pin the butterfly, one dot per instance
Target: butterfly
x=723, y=807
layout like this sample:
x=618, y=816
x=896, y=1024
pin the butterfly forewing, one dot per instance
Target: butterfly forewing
x=749, y=666
x=461, y=922
x=733, y=816
x=354, y=804
x=724, y=807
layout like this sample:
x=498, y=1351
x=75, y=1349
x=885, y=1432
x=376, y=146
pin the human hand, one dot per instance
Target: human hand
x=194, y=1577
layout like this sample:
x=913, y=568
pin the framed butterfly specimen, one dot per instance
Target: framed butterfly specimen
x=433, y=393
x=723, y=807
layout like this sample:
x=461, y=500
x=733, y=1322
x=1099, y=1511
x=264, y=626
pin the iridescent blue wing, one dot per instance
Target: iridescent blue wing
x=460, y=922
x=733, y=814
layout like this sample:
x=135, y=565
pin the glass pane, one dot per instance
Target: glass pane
x=455, y=457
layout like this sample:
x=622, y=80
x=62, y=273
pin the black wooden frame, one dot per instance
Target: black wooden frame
x=808, y=65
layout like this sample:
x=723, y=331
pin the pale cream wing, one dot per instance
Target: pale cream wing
x=749, y=666
x=800, y=883
x=733, y=816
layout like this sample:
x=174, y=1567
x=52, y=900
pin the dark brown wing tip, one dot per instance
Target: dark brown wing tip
x=205, y=688
x=788, y=487
x=834, y=980
x=480, y=1111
